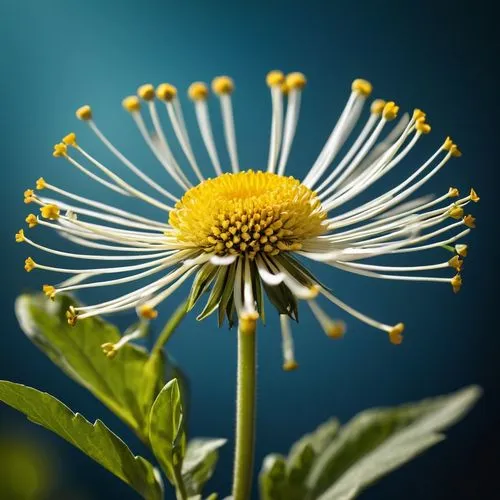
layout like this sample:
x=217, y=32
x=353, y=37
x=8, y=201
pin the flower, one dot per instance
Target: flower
x=243, y=234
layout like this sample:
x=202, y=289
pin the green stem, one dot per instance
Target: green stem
x=169, y=328
x=180, y=488
x=245, y=412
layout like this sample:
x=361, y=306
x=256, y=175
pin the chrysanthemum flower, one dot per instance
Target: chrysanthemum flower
x=241, y=235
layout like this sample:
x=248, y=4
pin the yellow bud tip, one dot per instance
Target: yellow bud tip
x=447, y=144
x=455, y=152
x=418, y=114
x=296, y=81
x=20, y=236
x=71, y=316
x=49, y=291
x=461, y=250
x=390, y=111
x=362, y=87
x=396, y=334
x=422, y=127
x=456, y=263
x=31, y=220
x=470, y=221
x=314, y=291
x=109, y=350
x=453, y=192
x=284, y=88
x=166, y=92
x=290, y=365
x=50, y=212
x=222, y=85
x=146, y=92
x=248, y=322
x=336, y=330
x=29, y=264
x=456, y=283
x=377, y=106
x=29, y=196
x=60, y=150
x=456, y=212
x=131, y=104
x=275, y=78
x=198, y=91
x=70, y=139
x=40, y=183
x=148, y=312
x=84, y=113
x=474, y=196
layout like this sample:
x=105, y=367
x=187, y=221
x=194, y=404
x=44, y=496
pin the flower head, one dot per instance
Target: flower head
x=241, y=235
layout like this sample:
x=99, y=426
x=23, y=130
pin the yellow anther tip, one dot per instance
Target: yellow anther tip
x=461, y=250
x=470, y=221
x=71, y=316
x=70, y=139
x=84, y=113
x=456, y=283
x=377, y=106
x=131, y=104
x=455, y=152
x=198, y=91
x=148, y=312
x=29, y=264
x=20, y=236
x=49, y=291
x=336, y=330
x=418, y=114
x=422, y=127
x=295, y=80
x=146, y=92
x=456, y=263
x=109, y=350
x=40, y=183
x=390, y=111
x=362, y=87
x=275, y=78
x=290, y=365
x=166, y=92
x=456, y=212
x=314, y=291
x=60, y=150
x=31, y=220
x=453, y=192
x=396, y=334
x=222, y=85
x=474, y=196
x=51, y=212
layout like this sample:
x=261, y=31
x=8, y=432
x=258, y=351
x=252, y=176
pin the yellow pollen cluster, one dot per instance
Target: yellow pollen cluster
x=247, y=212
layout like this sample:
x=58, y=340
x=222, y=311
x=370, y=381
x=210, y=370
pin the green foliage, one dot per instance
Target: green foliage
x=95, y=440
x=166, y=430
x=339, y=464
x=119, y=383
x=199, y=463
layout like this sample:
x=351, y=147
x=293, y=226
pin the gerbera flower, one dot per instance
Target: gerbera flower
x=241, y=235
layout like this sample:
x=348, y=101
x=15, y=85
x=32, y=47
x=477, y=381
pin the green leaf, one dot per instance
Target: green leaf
x=296, y=467
x=166, y=430
x=201, y=283
x=272, y=478
x=379, y=440
x=95, y=440
x=127, y=385
x=199, y=463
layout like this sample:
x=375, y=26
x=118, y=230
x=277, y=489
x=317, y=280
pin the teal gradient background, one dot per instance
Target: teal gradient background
x=57, y=55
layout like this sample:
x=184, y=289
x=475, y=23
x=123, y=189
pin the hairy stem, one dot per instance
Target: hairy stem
x=245, y=410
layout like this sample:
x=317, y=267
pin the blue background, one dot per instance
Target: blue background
x=57, y=55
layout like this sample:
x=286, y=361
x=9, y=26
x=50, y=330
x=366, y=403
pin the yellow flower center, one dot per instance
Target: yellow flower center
x=247, y=212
